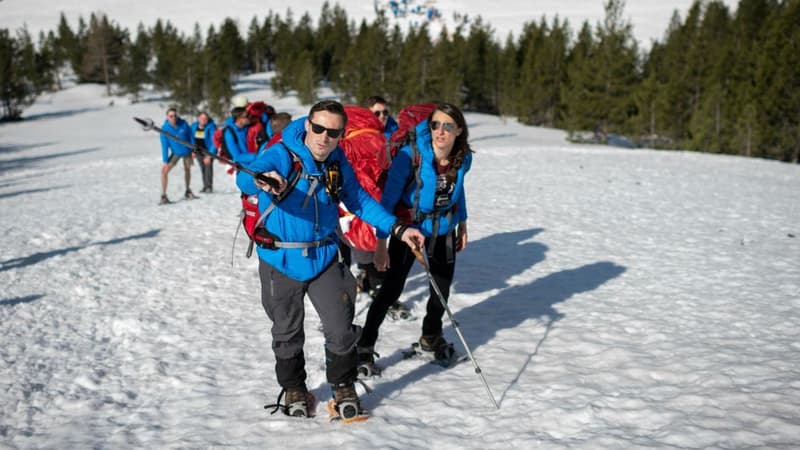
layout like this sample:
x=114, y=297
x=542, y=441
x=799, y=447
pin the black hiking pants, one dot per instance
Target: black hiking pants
x=400, y=261
x=332, y=293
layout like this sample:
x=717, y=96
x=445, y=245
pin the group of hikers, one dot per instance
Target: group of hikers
x=318, y=180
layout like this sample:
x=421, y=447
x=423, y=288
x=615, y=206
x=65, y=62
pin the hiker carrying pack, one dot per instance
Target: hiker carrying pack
x=371, y=154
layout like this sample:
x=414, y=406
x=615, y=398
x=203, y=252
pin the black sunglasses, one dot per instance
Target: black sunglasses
x=448, y=126
x=380, y=112
x=333, y=133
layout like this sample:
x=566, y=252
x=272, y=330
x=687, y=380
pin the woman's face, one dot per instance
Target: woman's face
x=444, y=136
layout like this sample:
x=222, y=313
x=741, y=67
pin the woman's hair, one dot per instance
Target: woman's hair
x=461, y=146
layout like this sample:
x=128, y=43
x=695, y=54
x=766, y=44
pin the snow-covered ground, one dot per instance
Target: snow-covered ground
x=613, y=298
x=648, y=17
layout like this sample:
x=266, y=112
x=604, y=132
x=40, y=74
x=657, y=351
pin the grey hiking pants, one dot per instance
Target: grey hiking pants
x=332, y=293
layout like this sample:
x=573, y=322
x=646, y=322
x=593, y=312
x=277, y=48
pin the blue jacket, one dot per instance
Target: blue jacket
x=391, y=127
x=290, y=222
x=181, y=130
x=402, y=170
x=237, y=146
x=208, y=134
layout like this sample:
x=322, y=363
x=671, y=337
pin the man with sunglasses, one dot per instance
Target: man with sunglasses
x=300, y=216
x=377, y=105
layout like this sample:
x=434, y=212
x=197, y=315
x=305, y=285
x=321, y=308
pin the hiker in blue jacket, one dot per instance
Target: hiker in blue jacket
x=378, y=106
x=301, y=256
x=235, y=135
x=427, y=177
x=173, y=151
x=203, y=136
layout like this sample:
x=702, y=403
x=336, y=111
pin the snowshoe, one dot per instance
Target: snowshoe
x=164, y=200
x=345, y=406
x=398, y=311
x=435, y=350
x=298, y=403
x=366, y=362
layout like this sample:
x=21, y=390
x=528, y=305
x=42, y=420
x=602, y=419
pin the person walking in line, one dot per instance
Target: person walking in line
x=426, y=178
x=203, y=136
x=172, y=152
x=298, y=252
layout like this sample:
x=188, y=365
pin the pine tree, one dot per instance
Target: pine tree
x=104, y=49
x=16, y=90
x=133, y=67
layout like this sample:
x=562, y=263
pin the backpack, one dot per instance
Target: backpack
x=253, y=220
x=371, y=154
x=219, y=142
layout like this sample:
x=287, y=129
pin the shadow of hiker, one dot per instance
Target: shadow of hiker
x=17, y=263
x=20, y=300
x=508, y=309
x=12, y=165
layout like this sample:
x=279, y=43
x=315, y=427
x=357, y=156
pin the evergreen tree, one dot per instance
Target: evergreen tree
x=69, y=45
x=104, y=49
x=219, y=88
x=16, y=91
x=333, y=38
x=133, y=67
x=480, y=68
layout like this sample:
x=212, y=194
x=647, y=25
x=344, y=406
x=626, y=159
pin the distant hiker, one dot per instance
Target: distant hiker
x=259, y=131
x=203, y=136
x=427, y=177
x=277, y=122
x=234, y=135
x=172, y=152
x=378, y=106
x=298, y=252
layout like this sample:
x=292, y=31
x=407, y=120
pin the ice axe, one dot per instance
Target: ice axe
x=147, y=125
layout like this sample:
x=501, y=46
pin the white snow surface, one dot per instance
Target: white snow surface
x=649, y=18
x=613, y=298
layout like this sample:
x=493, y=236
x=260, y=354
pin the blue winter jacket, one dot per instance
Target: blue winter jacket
x=208, y=134
x=291, y=222
x=181, y=130
x=237, y=146
x=402, y=170
x=391, y=127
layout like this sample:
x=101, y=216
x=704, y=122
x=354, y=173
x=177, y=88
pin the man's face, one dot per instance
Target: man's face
x=319, y=128
x=381, y=112
x=243, y=120
x=202, y=119
x=172, y=117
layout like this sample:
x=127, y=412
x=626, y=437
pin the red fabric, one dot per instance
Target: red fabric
x=259, y=108
x=273, y=140
x=365, y=147
x=252, y=133
x=409, y=117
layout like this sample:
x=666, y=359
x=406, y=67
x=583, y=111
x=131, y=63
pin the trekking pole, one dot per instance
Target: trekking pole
x=147, y=125
x=422, y=257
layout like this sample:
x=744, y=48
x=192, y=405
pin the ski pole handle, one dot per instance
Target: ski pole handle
x=147, y=125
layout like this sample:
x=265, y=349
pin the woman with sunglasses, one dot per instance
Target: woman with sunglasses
x=427, y=176
x=299, y=256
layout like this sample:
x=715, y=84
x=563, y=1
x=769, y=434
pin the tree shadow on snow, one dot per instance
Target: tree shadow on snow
x=29, y=191
x=506, y=255
x=11, y=165
x=57, y=114
x=18, y=263
x=20, y=300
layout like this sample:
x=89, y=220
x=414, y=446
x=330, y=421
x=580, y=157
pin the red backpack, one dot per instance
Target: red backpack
x=371, y=154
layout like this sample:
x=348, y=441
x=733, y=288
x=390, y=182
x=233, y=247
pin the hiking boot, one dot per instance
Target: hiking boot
x=189, y=195
x=437, y=347
x=164, y=200
x=398, y=311
x=346, y=400
x=366, y=362
x=296, y=403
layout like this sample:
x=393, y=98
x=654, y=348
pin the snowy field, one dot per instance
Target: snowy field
x=614, y=299
x=649, y=18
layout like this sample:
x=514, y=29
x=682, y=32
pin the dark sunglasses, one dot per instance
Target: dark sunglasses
x=333, y=133
x=380, y=112
x=448, y=126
